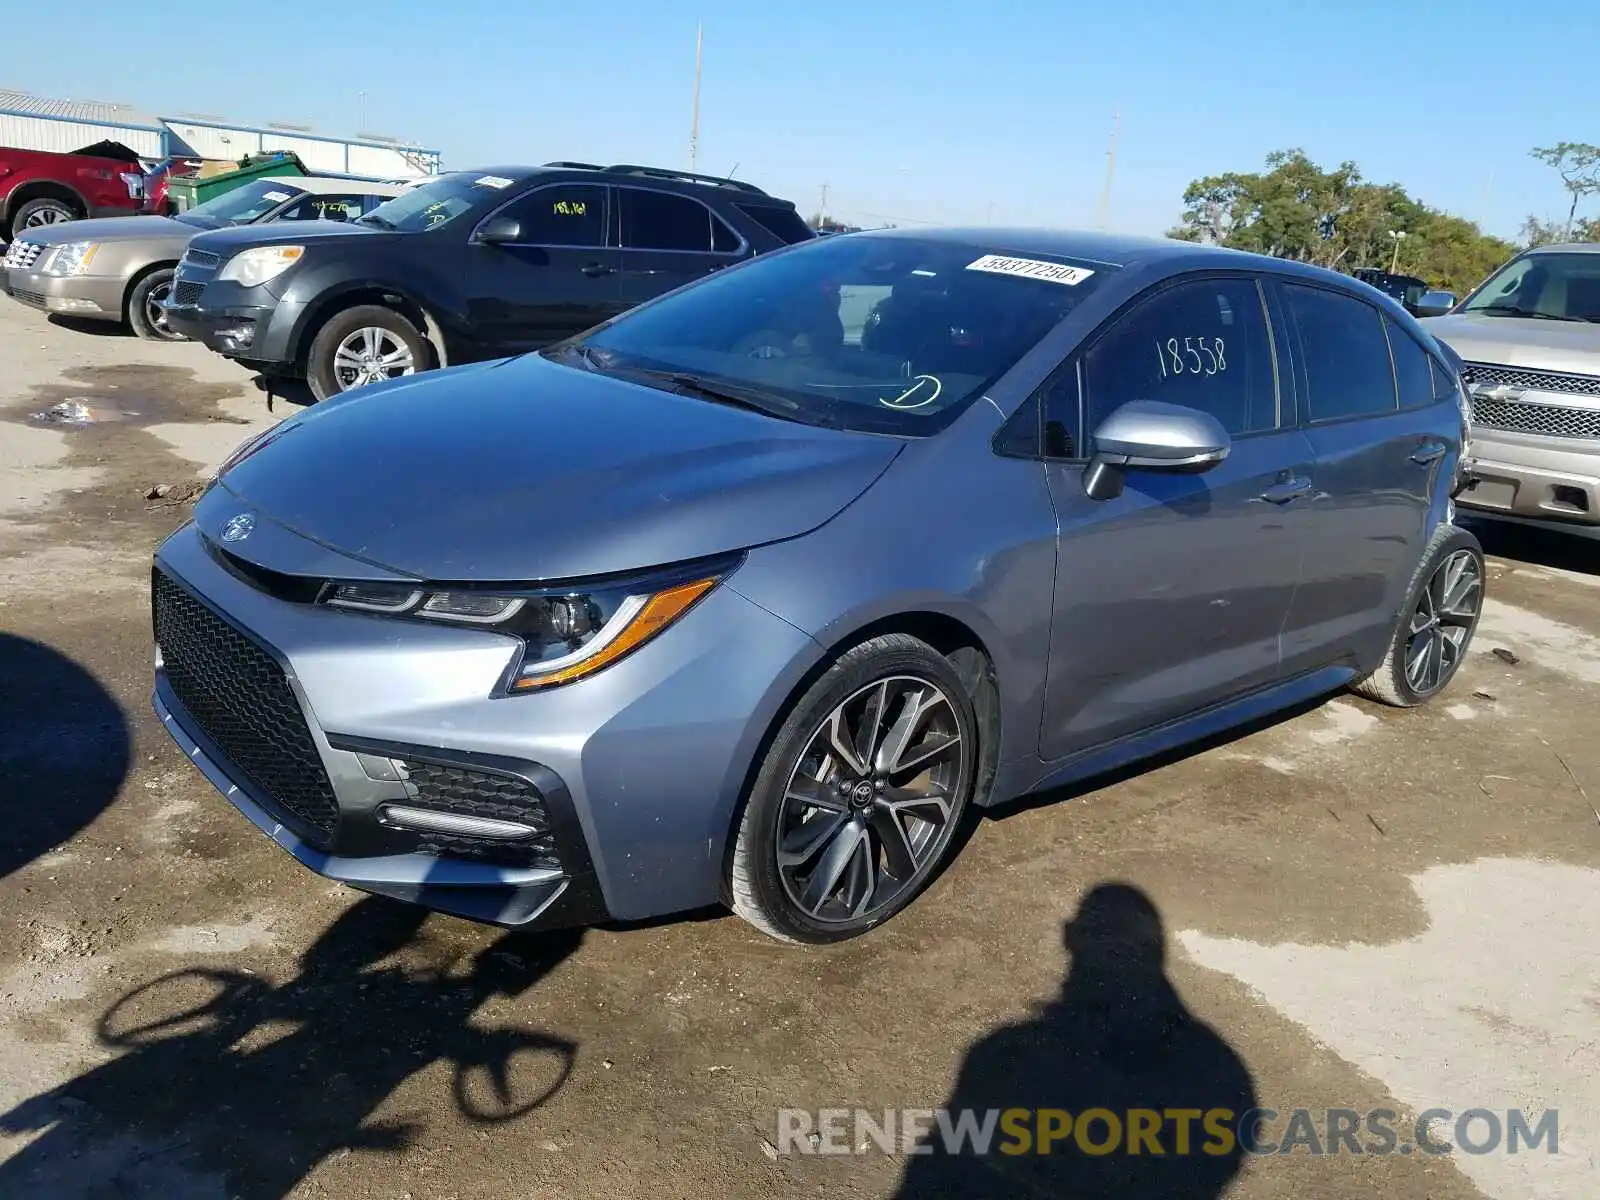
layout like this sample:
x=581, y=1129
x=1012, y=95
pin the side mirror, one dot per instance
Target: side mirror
x=1435, y=304
x=1150, y=435
x=498, y=231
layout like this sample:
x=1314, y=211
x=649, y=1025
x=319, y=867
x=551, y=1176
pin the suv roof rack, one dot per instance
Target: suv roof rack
x=684, y=176
x=576, y=166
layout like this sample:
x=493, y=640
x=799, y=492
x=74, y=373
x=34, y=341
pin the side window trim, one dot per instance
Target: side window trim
x=1289, y=365
x=744, y=245
x=1307, y=420
x=610, y=205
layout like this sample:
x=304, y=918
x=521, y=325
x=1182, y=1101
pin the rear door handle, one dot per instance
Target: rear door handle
x=1287, y=490
x=1429, y=451
x=595, y=270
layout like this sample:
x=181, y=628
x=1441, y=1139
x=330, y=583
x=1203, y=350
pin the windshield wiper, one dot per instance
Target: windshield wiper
x=374, y=219
x=1513, y=310
x=754, y=399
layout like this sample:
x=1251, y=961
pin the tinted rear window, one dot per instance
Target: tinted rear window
x=782, y=223
x=1348, y=372
x=1412, y=367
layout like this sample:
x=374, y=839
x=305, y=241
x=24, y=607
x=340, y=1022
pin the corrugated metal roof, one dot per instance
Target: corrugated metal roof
x=94, y=111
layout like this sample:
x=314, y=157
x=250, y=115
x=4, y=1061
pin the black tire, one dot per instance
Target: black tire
x=47, y=207
x=1392, y=683
x=759, y=891
x=322, y=373
x=143, y=315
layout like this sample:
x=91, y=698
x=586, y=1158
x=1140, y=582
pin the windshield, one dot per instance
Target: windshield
x=243, y=205
x=1556, y=287
x=438, y=203
x=887, y=334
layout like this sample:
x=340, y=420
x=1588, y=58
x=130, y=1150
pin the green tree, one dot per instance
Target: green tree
x=1578, y=164
x=1544, y=233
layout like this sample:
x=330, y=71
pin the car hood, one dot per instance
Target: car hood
x=525, y=470
x=112, y=229
x=1521, y=341
x=234, y=238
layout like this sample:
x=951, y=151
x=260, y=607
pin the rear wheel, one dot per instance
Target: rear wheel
x=857, y=802
x=145, y=312
x=363, y=345
x=36, y=214
x=1435, y=628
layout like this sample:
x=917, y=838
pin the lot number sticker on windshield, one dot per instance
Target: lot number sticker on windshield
x=1031, y=268
x=494, y=181
x=275, y=197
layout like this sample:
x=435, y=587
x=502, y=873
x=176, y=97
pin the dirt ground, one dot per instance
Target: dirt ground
x=1359, y=908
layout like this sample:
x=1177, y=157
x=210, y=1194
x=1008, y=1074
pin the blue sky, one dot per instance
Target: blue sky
x=912, y=111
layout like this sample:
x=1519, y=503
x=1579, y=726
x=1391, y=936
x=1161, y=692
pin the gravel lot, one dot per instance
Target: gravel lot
x=1360, y=909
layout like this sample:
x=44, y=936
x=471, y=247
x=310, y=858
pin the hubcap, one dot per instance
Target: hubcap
x=369, y=356
x=46, y=216
x=867, y=812
x=1443, y=621
x=154, y=313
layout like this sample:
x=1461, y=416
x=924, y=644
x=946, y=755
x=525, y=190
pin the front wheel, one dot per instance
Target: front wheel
x=859, y=797
x=363, y=345
x=1435, y=628
x=146, y=313
x=36, y=214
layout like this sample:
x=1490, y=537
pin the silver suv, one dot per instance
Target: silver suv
x=1531, y=340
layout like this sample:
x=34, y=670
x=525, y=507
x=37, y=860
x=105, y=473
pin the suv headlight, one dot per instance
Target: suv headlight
x=70, y=258
x=566, y=633
x=258, y=265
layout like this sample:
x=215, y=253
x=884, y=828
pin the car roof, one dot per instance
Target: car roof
x=664, y=178
x=321, y=185
x=1568, y=248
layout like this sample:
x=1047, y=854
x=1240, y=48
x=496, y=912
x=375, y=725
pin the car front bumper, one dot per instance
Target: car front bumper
x=249, y=324
x=1547, y=481
x=96, y=297
x=633, y=776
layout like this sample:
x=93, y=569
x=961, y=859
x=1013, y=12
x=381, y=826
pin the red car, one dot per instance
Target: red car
x=41, y=188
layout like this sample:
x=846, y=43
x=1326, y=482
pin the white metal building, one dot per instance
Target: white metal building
x=35, y=123
x=62, y=126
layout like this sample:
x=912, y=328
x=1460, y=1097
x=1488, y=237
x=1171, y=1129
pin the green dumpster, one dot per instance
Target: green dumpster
x=186, y=191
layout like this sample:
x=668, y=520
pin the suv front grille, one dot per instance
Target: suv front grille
x=1544, y=381
x=200, y=258
x=471, y=792
x=22, y=255
x=186, y=294
x=239, y=697
x=1546, y=420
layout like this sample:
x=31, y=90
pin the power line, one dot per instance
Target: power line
x=1111, y=168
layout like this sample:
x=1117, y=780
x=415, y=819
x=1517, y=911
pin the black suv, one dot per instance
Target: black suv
x=472, y=265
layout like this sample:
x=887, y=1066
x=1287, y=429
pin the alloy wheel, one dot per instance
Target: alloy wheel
x=154, y=313
x=869, y=807
x=1442, y=622
x=46, y=216
x=371, y=355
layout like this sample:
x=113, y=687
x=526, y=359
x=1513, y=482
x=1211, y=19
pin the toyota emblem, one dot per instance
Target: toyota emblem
x=238, y=528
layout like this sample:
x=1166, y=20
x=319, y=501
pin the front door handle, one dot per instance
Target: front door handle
x=1287, y=490
x=596, y=270
x=1430, y=451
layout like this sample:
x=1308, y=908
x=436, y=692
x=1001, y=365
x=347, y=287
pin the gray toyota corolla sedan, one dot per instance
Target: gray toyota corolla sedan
x=753, y=593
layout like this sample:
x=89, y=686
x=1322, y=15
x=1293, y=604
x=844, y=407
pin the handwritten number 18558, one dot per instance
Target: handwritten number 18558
x=1192, y=356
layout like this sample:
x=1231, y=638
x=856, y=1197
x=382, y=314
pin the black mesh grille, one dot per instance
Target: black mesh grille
x=1545, y=381
x=34, y=298
x=476, y=793
x=201, y=258
x=1551, y=420
x=238, y=696
x=185, y=293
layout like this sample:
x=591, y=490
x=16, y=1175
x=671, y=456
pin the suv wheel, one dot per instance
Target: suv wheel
x=1436, y=626
x=36, y=213
x=145, y=314
x=859, y=797
x=362, y=345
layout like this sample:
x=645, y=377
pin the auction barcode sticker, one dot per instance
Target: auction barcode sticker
x=1031, y=268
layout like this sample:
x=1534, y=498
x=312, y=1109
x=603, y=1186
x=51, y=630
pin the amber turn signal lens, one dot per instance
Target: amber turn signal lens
x=659, y=611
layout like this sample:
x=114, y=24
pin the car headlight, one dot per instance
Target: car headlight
x=70, y=258
x=566, y=633
x=258, y=265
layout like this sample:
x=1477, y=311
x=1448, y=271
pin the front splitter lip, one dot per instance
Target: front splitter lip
x=387, y=873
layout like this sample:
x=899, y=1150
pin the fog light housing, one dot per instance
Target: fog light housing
x=428, y=820
x=242, y=333
x=73, y=304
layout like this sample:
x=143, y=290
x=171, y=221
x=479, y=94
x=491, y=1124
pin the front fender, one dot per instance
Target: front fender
x=320, y=293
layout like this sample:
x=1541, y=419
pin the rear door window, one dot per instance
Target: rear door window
x=1413, y=372
x=663, y=221
x=1345, y=354
x=562, y=214
x=1203, y=344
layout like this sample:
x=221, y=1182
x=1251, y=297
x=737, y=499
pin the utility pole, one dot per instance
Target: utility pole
x=822, y=209
x=1111, y=168
x=694, y=124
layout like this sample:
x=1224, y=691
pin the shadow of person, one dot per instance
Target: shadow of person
x=64, y=749
x=1117, y=1039
x=229, y=1086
